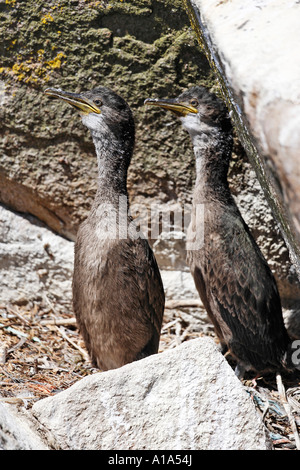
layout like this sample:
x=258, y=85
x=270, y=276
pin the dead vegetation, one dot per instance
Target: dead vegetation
x=42, y=353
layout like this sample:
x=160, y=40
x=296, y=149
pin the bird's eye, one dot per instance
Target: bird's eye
x=98, y=102
x=194, y=102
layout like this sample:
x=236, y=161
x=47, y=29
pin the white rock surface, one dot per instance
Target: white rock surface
x=15, y=431
x=179, y=285
x=187, y=398
x=33, y=260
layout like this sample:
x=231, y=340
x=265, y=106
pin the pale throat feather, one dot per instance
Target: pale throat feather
x=205, y=141
x=113, y=157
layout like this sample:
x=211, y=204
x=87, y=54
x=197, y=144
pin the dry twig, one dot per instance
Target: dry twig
x=17, y=314
x=61, y=322
x=282, y=395
x=183, y=303
x=3, y=351
x=65, y=336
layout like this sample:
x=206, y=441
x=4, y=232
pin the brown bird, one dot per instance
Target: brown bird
x=118, y=295
x=231, y=275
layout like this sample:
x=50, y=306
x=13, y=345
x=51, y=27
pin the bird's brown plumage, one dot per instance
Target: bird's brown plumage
x=231, y=275
x=118, y=295
x=238, y=291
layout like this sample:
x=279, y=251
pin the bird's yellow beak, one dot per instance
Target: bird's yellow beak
x=76, y=100
x=180, y=109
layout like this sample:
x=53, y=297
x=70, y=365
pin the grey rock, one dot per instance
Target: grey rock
x=179, y=285
x=34, y=261
x=182, y=399
x=16, y=432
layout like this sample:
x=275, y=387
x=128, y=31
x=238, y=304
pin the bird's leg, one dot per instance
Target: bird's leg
x=254, y=383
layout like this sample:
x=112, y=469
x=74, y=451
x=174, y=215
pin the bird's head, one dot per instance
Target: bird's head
x=196, y=108
x=102, y=111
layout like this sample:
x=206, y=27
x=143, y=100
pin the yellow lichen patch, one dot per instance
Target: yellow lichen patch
x=56, y=62
x=11, y=45
x=47, y=18
x=34, y=69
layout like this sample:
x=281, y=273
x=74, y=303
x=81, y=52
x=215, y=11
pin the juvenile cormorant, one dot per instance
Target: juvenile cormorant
x=231, y=275
x=118, y=295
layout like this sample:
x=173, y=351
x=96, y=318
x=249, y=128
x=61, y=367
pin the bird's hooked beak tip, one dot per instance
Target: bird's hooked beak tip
x=77, y=100
x=149, y=101
x=179, y=109
x=52, y=91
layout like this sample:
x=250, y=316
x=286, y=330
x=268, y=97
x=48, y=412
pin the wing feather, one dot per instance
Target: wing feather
x=241, y=294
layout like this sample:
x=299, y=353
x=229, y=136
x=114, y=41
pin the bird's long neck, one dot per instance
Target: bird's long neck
x=212, y=149
x=113, y=157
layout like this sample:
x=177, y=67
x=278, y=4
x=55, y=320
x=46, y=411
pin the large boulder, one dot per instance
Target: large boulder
x=17, y=431
x=187, y=398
